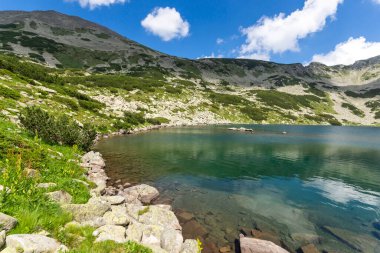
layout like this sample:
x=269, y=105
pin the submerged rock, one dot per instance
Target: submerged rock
x=310, y=248
x=194, y=228
x=7, y=222
x=32, y=243
x=267, y=236
x=252, y=245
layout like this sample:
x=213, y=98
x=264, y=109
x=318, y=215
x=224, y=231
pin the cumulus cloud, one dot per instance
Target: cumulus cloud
x=92, y=4
x=166, y=23
x=376, y=1
x=348, y=52
x=256, y=56
x=282, y=33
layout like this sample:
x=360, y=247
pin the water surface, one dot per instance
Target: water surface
x=314, y=184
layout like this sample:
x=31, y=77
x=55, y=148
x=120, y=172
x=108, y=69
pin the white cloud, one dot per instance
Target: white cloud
x=376, y=1
x=350, y=51
x=282, y=33
x=166, y=23
x=213, y=55
x=256, y=56
x=92, y=4
x=219, y=41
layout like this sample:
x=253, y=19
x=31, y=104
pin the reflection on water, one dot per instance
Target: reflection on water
x=314, y=184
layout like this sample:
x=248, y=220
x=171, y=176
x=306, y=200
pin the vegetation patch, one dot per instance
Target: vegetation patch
x=9, y=93
x=354, y=109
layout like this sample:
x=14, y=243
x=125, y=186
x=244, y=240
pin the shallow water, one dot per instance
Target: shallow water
x=314, y=184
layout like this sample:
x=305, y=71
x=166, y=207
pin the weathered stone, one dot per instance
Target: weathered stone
x=31, y=173
x=309, y=249
x=161, y=217
x=85, y=212
x=32, y=243
x=7, y=222
x=252, y=245
x=92, y=158
x=46, y=185
x=117, y=216
x=95, y=222
x=10, y=250
x=190, y=246
x=167, y=207
x=171, y=240
x=225, y=249
x=110, y=232
x=114, y=200
x=145, y=193
x=2, y=238
x=60, y=197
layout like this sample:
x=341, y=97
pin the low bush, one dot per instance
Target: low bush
x=254, y=113
x=57, y=130
x=9, y=93
x=90, y=105
x=158, y=121
x=68, y=102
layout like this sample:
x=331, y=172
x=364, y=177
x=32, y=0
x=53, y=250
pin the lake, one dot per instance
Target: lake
x=314, y=184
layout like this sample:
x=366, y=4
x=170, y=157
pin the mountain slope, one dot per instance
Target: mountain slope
x=126, y=76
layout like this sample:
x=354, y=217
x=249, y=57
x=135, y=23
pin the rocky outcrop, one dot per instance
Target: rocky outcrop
x=7, y=222
x=253, y=245
x=94, y=163
x=33, y=243
x=110, y=232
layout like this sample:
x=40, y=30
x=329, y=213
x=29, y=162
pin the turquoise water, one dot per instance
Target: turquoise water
x=314, y=184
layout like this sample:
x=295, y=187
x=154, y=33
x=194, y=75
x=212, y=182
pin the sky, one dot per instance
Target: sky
x=285, y=31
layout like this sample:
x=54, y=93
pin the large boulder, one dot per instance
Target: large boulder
x=145, y=193
x=190, y=246
x=7, y=222
x=86, y=212
x=110, y=232
x=252, y=245
x=93, y=159
x=160, y=217
x=114, y=200
x=149, y=235
x=33, y=243
x=171, y=240
x=61, y=197
x=117, y=216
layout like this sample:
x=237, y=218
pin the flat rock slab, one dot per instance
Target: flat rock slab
x=252, y=245
x=32, y=243
x=114, y=200
x=145, y=193
x=85, y=212
x=7, y=222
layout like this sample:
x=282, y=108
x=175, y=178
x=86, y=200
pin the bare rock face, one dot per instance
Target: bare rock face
x=171, y=241
x=33, y=243
x=7, y=222
x=145, y=193
x=61, y=197
x=252, y=245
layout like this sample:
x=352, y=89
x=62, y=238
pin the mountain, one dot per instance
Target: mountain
x=229, y=90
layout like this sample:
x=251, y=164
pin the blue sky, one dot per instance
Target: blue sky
x=330, y=31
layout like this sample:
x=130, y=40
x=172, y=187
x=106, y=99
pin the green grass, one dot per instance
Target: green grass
x=9, y=93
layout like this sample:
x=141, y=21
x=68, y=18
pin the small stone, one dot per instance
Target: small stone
x=225, y=249
x=7, y=222
x=309, y=249
x=46, y=185
x=60, y=197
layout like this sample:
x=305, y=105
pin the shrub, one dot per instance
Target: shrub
x=90, y=105
x=158, y=121
x=354, y=109
x=9, y=93
x=57, y=130
x=134, y=118
x=68, y=102
x=254, y=113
